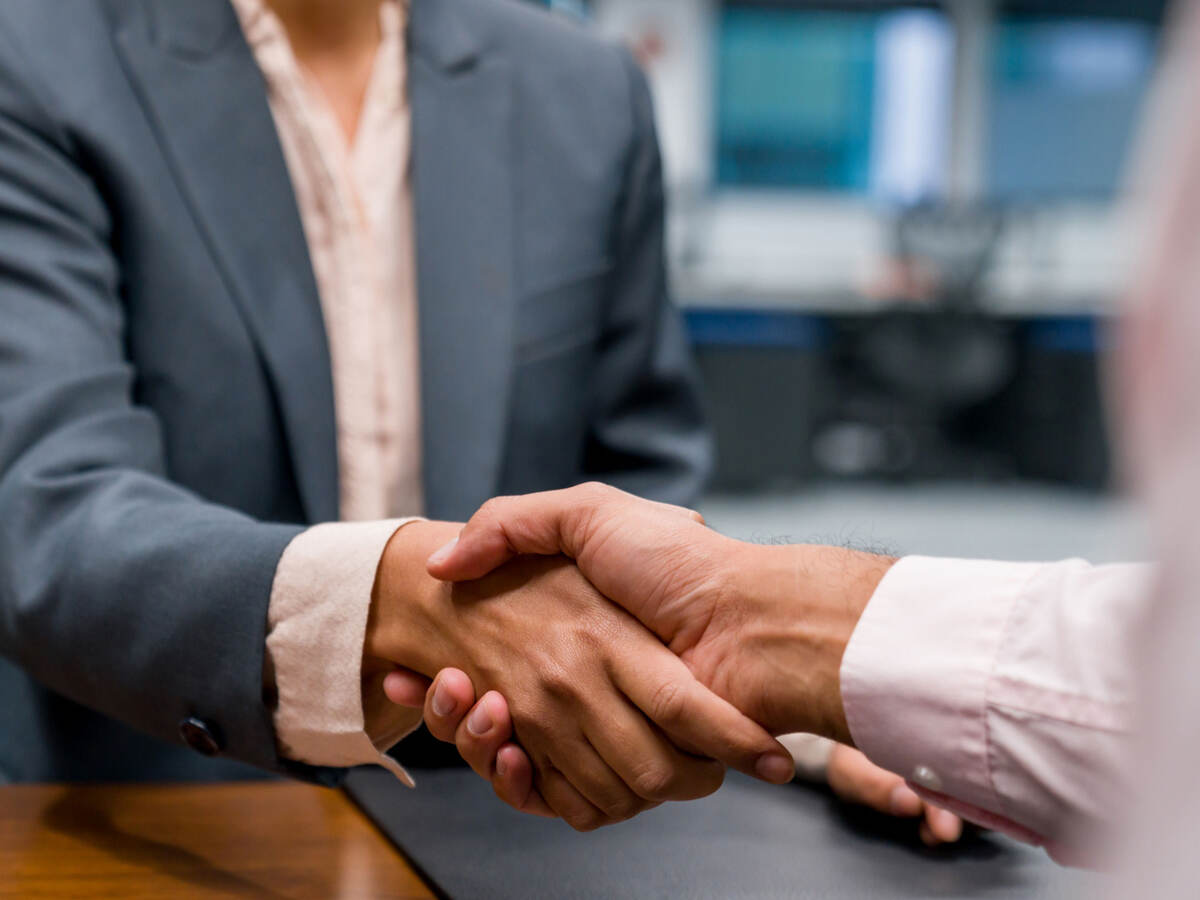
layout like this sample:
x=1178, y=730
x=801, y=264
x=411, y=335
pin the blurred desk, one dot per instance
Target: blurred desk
x=261, y=839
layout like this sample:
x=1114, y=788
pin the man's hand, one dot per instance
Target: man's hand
x=599, y=704
x=856, y=779
x=764, y=627
x=482, y=732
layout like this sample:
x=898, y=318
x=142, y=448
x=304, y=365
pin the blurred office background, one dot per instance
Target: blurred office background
x=896, y=235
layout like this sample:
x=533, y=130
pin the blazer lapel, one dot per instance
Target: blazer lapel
x=205, y=96
x=461, y=99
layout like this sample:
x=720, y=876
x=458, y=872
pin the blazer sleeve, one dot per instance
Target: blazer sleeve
x=118, y=589
x=648, y=432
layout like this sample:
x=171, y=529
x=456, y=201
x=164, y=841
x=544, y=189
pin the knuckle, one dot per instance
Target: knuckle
x=667, y=703
x=623, y=807
x=492, y=510
x=558, y=683
x=594, y=492
x=656, y=783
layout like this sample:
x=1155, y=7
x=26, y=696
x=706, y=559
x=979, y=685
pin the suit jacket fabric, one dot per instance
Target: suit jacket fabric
x=166, y=411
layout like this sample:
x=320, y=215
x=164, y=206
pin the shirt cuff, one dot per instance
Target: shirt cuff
x=915, y=674
x=317, y=625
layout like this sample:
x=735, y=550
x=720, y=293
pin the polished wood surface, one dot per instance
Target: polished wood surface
x=255, y=839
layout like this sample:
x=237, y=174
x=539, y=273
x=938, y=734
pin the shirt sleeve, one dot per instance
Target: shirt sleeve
x=1005, y=687
x=317, y=623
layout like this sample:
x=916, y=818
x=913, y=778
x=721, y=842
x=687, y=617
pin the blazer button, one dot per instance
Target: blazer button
x=200, y=736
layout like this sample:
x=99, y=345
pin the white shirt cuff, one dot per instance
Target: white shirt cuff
x=916, y=672
x=317, y=623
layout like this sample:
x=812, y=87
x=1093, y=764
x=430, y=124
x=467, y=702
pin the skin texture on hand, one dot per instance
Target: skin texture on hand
x=600, y=706
x=764, y=627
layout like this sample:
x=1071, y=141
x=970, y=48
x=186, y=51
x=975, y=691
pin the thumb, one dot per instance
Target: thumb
x=545, y=524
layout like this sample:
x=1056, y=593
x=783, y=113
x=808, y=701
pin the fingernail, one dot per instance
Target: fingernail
x=443, y=703
x=775, y=767
x=904, y=801
x=501, y=766
x=441, y=555
x=479, y=722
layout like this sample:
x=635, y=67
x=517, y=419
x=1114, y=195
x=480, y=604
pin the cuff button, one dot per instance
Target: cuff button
x=200, y=736
x=927, y=778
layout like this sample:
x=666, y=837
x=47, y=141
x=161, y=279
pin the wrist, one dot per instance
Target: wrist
x=406, y=625
x=801, y=604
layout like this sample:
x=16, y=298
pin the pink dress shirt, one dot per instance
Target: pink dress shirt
x=1003, y=691
x=355, y=203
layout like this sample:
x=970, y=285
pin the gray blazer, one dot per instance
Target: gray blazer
x=166, y=411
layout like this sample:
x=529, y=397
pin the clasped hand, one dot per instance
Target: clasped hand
x=612, y=721
x=706, y=642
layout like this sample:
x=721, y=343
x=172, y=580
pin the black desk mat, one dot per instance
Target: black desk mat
x=749, y=840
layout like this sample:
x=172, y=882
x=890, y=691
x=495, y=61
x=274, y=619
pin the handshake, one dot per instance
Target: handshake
x=625, y=654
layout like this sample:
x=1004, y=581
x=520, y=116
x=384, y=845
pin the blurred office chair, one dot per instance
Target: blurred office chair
x=917, y=370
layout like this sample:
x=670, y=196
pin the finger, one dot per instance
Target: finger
x=927, y=836
x=482, y=732
x=404, y=687
x=566, y=802
x=545, y=524
x=447, y=702
x=648, y=763
x=661, y=686
x=856, y=779
x=596, y=781
x=513, y=782
x=942, y=826
x=482, y=741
